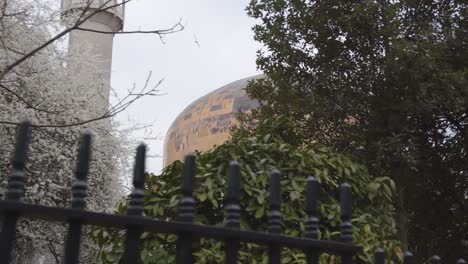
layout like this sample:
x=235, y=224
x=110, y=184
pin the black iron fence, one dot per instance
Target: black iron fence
x=11, y=209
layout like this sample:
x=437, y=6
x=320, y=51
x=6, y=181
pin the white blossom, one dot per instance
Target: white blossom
x=42, y=90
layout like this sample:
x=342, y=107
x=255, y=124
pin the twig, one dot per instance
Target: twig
x=176, y=28
x=116, y=109
x=20, y=98
x=78, y=23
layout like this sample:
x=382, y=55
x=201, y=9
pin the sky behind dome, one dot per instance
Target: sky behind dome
x=225, y=53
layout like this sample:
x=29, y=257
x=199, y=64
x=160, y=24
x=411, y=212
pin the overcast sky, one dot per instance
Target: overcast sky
x=226, y=52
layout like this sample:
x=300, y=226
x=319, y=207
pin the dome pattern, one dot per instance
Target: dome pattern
x=207, y=121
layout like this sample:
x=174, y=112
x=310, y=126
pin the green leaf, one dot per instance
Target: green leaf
x=259, y=212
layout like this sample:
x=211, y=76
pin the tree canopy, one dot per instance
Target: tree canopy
x=386, y=81
x=257, y=155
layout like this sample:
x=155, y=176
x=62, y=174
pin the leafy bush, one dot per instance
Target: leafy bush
x=258, y=155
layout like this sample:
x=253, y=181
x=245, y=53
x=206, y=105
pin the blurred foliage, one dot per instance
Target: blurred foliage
x=258, y=154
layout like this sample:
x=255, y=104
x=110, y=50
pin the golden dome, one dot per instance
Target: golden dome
x=207, y=121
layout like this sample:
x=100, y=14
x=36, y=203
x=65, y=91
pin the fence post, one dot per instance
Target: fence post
x=136, y=207
x=435, y=259
x=233, y=211
x=379, y=256
x=408, y=258
x=15, y=191
x=274, y=217
x=79, y=188
x=346, y=226
x=311, y=224
x=186, y=211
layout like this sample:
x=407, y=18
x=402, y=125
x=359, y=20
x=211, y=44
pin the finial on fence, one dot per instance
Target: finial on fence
x=233, y=211
x=187, y=203
x=14, y=192
x=80, y=186
x=379, y=256
x=311, y=225
x=232, y=198
x=137, y=196
x=408, y=258
x=135, y=208
x=274, y=217
x=435, y=259
x=345, y=212
x=188, y=180
x=186, y=210
x=139, y=169
x=461, y=261
x=17, y=177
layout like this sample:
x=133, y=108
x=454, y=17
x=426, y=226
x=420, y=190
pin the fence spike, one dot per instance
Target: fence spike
x=17, y=177
x=274, y=217
x=379, y=256
x=311, y=223
x=187, y=203
x=233, y=211
x=311, y=226
x=232, y=197
x=136, y=206
x=139, y=169
x=15, y=191
x=79, y=188
x=461, y=261
x=435, y=259
x=408, y=258
x=188, y=181
x=186, y=210
x=345, y=213
x=137, y=196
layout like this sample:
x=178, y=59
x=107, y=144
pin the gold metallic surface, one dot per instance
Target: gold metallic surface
x=207, y=121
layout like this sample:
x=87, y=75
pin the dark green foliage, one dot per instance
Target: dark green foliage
x=258, y=154
x=386, y=81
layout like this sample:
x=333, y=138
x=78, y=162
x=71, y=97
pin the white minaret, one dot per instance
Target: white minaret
x=92, y=60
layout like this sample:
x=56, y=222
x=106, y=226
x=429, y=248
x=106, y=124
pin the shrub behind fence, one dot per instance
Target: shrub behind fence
x=135, y=223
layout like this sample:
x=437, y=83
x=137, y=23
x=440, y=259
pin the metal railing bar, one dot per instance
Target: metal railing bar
x=135, y=208
x=275, y=218
x=161, y=226
x=79, y=193
x=186, y=211
x=232, y=212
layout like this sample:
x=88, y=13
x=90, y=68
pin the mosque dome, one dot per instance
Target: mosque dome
x=207, y=121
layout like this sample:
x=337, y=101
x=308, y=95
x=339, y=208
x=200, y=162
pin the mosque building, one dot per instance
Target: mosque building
x=207, y=121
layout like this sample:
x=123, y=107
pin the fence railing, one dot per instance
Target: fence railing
x=135, y=223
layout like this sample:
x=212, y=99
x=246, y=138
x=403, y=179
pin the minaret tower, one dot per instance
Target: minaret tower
x=92, y=51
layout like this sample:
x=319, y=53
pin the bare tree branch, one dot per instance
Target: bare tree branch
x=160, y=32
x=83, y=18
x=16, y=51
x=20, y=98
x=84, y=15
x=120, y=106
x=79, y=22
